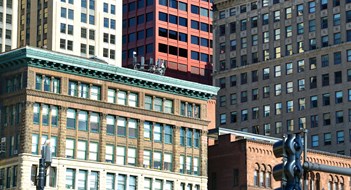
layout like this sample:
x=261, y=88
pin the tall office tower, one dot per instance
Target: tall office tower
x=178, y=32
x=283, y=66
x=87, y=28
x=8, y=24
x=109, y=127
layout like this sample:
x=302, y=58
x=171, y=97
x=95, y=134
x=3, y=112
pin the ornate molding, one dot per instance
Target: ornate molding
x=49, y=60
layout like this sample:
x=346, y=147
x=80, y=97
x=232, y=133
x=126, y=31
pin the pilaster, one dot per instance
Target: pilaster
x=26, y=130
x=140, y=143
x=102, y=140
x=61, y=152
x=176, y=148
x=203, y=154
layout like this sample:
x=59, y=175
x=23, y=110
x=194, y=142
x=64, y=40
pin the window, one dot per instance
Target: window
x=302, y=104
x=299, y=9
x=278, y=108
x=326, y=99
x=266, y=110
x=121, y=126
x=327, y=138
x=266, y=92
x=325, y=80
x=82, y=150
x=289, y=87
x=110, y=153
x=70, y=178
x=301, y=83
x=325, y=41
x=315, y=140
x=312, y=25
x=157, y=158
x=314, y=101
x=300, y=28
x=289, y=68
x=244, y=115
x=337, y=77
x=313, y=82
x=337, y=58
x=311, y=7
x=339, y=117
x=313, y=63
x=314, y=121
x=121, y=155
x=157, y=132
x=70, y=148
x=338, y=97
x=122, y=182
x=93, y=151
x=326, y=119
x=289, y=106
x=131, y=156
x=340, y=137
x=265, y=73
x=277, y=89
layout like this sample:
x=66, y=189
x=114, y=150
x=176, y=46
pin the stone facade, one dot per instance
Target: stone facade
x=38, y=123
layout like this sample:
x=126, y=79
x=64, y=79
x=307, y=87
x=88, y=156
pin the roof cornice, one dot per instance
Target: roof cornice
x=35, y=57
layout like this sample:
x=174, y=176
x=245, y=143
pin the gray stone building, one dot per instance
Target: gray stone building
x=109, y=127
x=283, y=66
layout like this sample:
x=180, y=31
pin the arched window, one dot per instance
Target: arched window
x=268, y=181
x=256, y=172
x=342, y=183
x=318, y=182
x=330, y=183
x=256, y=177
x=261, y=178
x=312, y=182
x=262, y=175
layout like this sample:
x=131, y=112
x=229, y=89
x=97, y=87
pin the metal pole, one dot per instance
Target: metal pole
x=325, y=168
x=41, y=176
x=305, y=180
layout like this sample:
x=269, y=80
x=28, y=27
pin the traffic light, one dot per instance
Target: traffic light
x=290, y=170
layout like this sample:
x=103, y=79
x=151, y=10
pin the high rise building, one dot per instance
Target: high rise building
x=87, y=28
x=283, y=66
x=178, y=32
x=8, y=24
x=108, y=126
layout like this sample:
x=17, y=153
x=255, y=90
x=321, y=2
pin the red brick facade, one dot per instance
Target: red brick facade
x=233, y=163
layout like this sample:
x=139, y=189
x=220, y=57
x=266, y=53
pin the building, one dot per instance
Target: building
x=87, y=28
x=249, y=163
x=108, y=126
x=283, y=66
x=8, y=24
x=178, y=32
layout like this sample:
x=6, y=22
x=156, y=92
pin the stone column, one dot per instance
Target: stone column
x=140, y=143
x=26, y=129
x=203, y=153
x=61, y=144
x=176, y=147
x=30, y=80
x=102, y=140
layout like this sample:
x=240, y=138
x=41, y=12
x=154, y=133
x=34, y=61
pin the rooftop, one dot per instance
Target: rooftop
x=46, y=59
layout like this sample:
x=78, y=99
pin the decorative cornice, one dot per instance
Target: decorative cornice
x=40, y=58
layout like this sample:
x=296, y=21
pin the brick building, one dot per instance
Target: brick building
x=249, y=161
x=283, y=66
x=108, y=126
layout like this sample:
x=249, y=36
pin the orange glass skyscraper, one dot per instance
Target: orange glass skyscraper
x=176, y=31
